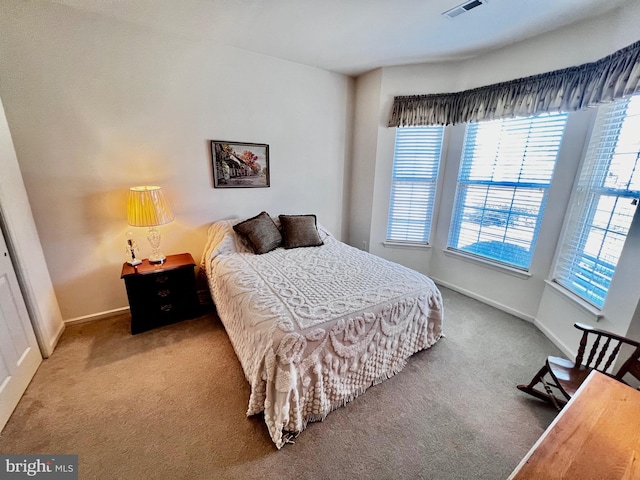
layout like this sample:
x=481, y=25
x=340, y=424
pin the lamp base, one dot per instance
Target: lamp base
x=157, y=258
x=154, y=240
x=133, y=263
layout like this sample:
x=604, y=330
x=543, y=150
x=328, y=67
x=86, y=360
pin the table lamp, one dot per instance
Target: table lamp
x=147, y=207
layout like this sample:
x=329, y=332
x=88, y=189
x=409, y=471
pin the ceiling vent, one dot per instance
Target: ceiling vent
x=463, y=8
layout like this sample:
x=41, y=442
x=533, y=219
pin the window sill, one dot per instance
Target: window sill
x=583, y=305
x=407, y=245
x=487, y=263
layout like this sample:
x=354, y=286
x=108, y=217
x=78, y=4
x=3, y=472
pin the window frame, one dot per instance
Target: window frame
x=589, y=188
x=434, y=151
x=464, y=181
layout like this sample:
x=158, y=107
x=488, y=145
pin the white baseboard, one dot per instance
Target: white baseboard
x=486, y=300
x=555, y=340
x=97, y=316
x=54, y=341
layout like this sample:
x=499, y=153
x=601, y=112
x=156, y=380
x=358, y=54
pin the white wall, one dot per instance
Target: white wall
x=26, y=251
x=365, y=141
x=96, y=105
x=515, y=294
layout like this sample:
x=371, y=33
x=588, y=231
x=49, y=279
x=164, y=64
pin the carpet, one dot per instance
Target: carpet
x=170, y=404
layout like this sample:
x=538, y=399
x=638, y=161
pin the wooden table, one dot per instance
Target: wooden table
x=596, y=436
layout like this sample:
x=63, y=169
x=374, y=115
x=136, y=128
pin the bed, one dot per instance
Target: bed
x=314, y=327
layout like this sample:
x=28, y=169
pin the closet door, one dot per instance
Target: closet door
x=19, y=352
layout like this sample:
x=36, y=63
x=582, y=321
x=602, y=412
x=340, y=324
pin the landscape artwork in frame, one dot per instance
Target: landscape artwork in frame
x=240, y=165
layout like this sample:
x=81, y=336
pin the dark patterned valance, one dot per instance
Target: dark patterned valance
x=570, y=89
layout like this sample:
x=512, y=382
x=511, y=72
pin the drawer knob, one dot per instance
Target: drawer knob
x=162, y=279
x=166, y=308
x=164, y=293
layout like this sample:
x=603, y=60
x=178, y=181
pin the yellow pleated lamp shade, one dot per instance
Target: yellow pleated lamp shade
x=147, y=207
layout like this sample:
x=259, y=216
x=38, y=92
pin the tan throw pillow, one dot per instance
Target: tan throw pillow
x=299, y=231
x=260, y=232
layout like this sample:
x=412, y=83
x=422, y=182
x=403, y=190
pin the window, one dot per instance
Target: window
x=603, y=203
x=413, y=189
x=505, y=174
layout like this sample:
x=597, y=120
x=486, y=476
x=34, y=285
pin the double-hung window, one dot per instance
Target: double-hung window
x=504, y=177
x=603, y=203
x=416, y=160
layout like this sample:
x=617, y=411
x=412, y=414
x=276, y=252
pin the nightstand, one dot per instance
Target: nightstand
x=160, y=294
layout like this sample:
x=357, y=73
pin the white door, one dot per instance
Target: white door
x=19, y=353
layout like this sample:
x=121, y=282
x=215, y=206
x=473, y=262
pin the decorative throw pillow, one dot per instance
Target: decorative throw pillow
x=299, y=231
x=261, y=233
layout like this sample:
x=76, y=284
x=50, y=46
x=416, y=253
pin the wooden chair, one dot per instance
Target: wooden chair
x=564, y=377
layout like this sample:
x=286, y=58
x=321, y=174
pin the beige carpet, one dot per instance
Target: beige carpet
x=170, y=404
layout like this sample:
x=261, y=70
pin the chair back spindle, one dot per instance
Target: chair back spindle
x=581, y=348
x=603, y=351
x=593, y=351
x=613, y=356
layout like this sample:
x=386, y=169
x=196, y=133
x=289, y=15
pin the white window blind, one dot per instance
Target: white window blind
x=603, y=203
x=413, y=189
x=505, y=173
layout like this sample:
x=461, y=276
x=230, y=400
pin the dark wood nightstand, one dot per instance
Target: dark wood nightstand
x=160, y=294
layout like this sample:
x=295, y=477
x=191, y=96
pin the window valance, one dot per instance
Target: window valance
x=569, y=89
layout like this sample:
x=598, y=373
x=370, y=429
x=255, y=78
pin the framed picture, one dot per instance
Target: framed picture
x=240, y=165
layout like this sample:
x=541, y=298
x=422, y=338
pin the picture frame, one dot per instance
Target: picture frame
x=240, y=164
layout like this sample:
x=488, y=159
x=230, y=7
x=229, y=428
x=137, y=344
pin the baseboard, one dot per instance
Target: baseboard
x=555, y=340
x=486, y=300
x=54, y=341
x=97, y=316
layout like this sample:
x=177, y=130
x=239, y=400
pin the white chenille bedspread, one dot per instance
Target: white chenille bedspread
x=315, y=327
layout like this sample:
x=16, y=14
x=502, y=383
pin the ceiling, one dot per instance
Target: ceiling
x=353, y=36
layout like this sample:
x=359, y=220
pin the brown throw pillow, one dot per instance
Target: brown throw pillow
x=261, y=233
x=299, y=231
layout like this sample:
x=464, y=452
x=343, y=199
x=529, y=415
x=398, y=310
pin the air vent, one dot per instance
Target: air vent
x=463, y=8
